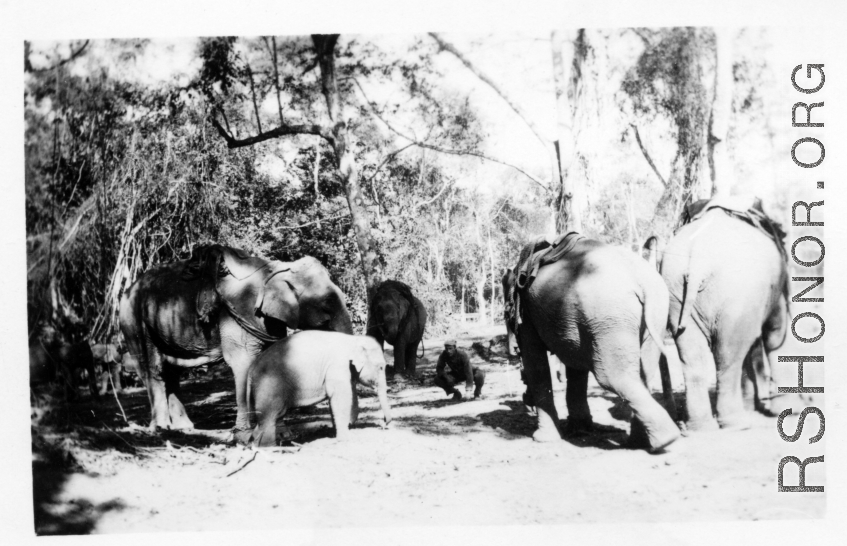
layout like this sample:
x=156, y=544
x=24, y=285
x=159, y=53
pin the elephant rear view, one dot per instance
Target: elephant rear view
x=397, y=317
x=308, y=368
x=728, y=283
x=594, y=306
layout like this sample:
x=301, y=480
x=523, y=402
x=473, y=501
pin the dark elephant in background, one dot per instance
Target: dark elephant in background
x=728, y=284
x=397, y=317
x=62, y=362
x=593, y=308
x=220, y=305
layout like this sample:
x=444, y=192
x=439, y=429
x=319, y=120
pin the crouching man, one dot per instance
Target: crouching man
x=453, y=367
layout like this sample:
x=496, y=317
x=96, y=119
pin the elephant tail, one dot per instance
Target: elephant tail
x=656, y=330
x=691, y=282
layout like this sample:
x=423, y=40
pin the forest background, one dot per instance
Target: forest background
x=430, y=158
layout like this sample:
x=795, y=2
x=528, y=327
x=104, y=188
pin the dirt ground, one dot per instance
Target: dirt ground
x=471, y=462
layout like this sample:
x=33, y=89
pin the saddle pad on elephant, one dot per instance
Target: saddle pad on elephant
x=533, y=257
x=747, y=208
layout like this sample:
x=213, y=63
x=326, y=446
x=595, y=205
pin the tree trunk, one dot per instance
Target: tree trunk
x=346, y=163
x=492, y=270
x=569, y=216
x=685, y=183
x=721, y=170
x=480, y=296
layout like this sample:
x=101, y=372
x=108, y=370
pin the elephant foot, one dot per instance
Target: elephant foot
x=656, y=442
x=701, y=425
x=245, y=435
x=575, y=427
x=546, y=435
x=765, y=409
x=739, y=421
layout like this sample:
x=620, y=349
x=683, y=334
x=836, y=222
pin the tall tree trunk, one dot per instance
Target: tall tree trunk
x=492, y=270
x=721, y=170
x=569, y=217
x=463, y=300
x=346, y=163
x=480, y=295
x=685, y=183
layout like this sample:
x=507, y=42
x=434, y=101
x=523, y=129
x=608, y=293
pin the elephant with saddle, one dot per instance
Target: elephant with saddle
x=396, y=316
x=221, y=304
x=726, y=270
x=593, y=306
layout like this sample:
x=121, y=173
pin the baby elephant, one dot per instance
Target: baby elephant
x=307, y=368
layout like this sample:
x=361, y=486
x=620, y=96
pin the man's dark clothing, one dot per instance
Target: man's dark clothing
x=451, y=370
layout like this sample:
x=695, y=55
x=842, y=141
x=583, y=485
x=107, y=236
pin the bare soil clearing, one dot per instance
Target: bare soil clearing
x=471, y=462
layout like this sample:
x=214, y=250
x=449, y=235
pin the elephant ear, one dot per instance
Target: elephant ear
x=278, y=299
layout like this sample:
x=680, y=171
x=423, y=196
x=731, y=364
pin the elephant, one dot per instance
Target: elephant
x=221, y=304
x=307, y=368
x=107, y=358
x=728, y=284
x=594, y=306
x=396, y=316
x=65, y=362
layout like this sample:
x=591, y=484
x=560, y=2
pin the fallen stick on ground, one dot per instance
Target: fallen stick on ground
x=250, y=460
x=116, y=399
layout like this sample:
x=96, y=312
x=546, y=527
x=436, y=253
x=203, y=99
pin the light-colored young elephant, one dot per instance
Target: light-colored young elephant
x=307, y=368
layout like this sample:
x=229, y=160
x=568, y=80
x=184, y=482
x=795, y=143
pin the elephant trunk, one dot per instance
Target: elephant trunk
x=382, y=393
x=342, y=323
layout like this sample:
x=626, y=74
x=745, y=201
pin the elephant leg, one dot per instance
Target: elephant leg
x=103, y=378
x=265, y=434
x=354, y=411
x=729, y=359
x=576, y=400
x=651, y=423
x=115, y=372
x=240, y=355
x=341, y=403
x=540, y=386
x=400, y=357
x=156, y=392
x=92, y=381
x=698, y=365
x=178, y=417
x=411, y=358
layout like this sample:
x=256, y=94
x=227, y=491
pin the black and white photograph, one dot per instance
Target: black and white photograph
x=445, y=278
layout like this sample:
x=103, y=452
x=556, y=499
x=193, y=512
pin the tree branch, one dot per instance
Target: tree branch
x=282, y=130
x=447, y=46
x=286, y=228
x=422, y=144
x=647, y=156
x=388, y=158
x=28, y=66
x=446, y=185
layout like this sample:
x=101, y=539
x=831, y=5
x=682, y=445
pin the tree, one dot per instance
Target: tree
x=669, y=79
x=335, y=132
